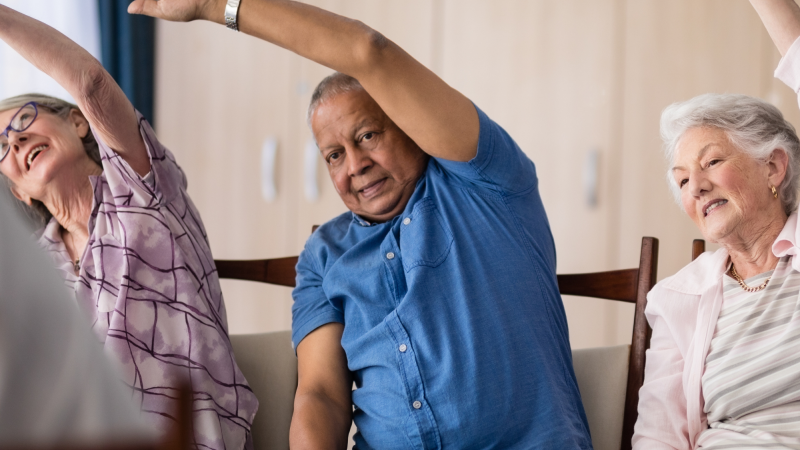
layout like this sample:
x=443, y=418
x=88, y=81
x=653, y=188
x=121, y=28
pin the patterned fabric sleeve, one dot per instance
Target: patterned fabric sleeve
x=125, y=183
x=150, y=286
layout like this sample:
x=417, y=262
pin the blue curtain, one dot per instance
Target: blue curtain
x=128, y=52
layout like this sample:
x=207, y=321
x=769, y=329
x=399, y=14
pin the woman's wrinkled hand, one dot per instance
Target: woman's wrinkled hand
x=180, y=10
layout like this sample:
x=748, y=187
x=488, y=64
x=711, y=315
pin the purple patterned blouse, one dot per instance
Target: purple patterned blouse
x=149, y=285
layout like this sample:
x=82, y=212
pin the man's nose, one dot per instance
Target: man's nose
x=358, y=161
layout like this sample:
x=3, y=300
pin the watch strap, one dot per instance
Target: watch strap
x=231, y=14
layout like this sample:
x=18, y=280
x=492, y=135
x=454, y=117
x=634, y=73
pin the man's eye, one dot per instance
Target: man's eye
x=713, y=162
x=333, y=156
x=683, y=181
x=367, y=136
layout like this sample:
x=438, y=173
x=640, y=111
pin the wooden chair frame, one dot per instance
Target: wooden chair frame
x=698, y=247
x=630, y=285
x=278, y=271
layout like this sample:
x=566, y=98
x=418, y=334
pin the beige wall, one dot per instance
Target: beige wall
x=564, y=77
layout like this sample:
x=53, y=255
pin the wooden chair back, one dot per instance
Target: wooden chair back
x=698, y=247
x=278, y=271
x=630, y=286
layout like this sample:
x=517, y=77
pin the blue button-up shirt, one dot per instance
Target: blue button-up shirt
x=454, y=328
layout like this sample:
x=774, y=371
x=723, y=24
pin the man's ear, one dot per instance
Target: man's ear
x=20, y=196
x=77, y=119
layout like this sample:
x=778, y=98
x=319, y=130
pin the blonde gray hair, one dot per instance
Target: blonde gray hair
x=751, y=124
x=37, y=212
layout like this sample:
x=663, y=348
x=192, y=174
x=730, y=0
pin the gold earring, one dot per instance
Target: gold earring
x=774, y=191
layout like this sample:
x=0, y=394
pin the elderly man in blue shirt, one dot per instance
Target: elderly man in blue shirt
x=437, y=292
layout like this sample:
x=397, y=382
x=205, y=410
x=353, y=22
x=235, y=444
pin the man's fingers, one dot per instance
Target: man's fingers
x=146, y=7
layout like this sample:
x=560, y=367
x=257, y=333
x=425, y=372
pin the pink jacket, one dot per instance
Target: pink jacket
x=683, y=311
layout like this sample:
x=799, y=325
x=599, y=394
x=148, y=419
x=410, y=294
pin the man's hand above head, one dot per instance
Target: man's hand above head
x=438, y=118
x=180, y=10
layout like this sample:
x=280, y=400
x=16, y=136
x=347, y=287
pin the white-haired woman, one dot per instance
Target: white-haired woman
x=126, y=236
x=723, y=369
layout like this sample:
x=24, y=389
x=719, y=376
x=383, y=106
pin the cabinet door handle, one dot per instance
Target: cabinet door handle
x=268, y=151
x=311, y=153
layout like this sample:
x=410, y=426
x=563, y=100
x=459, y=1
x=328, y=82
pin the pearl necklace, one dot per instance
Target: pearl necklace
x=745, y=286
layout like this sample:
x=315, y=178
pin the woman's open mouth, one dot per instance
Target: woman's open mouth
x=714, y=205
x=34, y=153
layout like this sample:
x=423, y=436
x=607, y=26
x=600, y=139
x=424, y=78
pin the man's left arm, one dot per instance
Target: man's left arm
x=441, y=120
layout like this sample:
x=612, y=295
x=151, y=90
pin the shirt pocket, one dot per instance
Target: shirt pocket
x=425, y=238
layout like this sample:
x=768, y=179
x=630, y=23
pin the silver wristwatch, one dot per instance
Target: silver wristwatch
x=231, y=12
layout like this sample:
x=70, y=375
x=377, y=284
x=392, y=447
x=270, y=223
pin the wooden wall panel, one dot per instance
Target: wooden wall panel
x=673, y=52
x=407, y=23
x=548, y=73
x=564, y=77
x=220, y=95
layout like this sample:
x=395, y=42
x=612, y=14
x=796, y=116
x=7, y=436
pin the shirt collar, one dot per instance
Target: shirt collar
x=699, y=275
x=51, y=233
x=786, y=243
x=51, y=241
x=357, y=219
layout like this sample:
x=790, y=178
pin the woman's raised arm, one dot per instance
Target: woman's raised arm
x=437, y=117
x=782, y=19
x=103, y=103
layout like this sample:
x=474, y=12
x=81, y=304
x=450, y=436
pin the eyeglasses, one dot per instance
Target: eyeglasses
x=22, y=119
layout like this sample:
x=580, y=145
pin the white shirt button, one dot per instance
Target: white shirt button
x=390, y=255
x=403, y=348
x=417, y=404
x=406, y=221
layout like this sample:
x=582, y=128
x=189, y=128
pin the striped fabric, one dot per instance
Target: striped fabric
x=751, y=383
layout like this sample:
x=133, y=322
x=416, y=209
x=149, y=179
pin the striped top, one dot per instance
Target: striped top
x=751, y=383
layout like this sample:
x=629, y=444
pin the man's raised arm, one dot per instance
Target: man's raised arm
x=323, y=407
x=438, y=118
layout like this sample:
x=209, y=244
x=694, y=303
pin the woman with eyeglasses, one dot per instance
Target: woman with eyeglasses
x=128, y=240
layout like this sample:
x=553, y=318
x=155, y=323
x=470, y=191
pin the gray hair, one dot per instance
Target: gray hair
x=751, y=124
x=331, y=86
x=37, y=212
